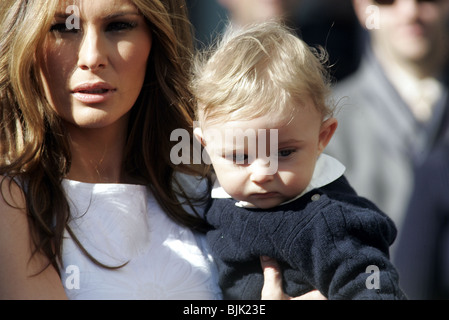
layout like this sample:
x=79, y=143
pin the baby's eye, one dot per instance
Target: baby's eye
x=285, y=153
x=120, y=26
x=237, y=158
x=240, y=158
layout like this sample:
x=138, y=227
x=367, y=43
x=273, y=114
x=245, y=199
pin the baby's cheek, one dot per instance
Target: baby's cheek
x=293, y=185
x=235, y=193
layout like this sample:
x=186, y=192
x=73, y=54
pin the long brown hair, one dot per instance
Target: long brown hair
x=34, y=150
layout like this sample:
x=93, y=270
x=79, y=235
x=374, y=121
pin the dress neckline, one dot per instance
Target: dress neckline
x=102, y=187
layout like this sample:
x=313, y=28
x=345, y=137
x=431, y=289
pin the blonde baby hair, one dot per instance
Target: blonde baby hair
x=261, y=69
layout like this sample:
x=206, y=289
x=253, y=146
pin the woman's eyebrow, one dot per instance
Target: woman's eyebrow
x=121, y=14
x=63, y=15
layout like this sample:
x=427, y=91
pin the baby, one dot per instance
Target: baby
x=264, y=121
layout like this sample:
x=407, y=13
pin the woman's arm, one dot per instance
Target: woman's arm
x=16, y=265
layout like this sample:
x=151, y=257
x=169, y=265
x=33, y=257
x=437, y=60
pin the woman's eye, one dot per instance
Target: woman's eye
x=62, y=28
x=120, y=26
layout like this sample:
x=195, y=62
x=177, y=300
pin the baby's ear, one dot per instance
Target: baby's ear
x=198, y=133
x=327, y=130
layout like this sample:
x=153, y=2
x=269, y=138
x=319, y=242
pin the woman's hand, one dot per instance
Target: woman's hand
x=272, y=288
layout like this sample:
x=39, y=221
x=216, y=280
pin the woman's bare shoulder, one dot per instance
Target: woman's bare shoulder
x=11, y=195
x=20, y=274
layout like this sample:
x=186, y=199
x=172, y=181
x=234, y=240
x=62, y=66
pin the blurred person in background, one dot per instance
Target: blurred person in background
x=327, y=23
x=422, y=253
x=246, y=12
x=394, y=107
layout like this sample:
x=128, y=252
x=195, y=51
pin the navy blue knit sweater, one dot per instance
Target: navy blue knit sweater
x=325, y=240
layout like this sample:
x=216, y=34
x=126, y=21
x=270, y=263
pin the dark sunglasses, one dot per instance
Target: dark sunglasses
x=390, y=2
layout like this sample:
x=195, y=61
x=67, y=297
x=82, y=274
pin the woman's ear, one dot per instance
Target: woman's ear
x=327, y=130
x=198, y=133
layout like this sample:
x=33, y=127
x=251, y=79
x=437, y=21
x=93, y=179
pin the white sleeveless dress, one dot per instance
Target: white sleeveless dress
x=122, y=223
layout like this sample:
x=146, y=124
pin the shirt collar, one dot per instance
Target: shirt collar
x=327, y=170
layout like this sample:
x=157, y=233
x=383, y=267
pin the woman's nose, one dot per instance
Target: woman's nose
x=408, y=8
x=92, y=54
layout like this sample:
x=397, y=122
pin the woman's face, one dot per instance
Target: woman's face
x=94, y=61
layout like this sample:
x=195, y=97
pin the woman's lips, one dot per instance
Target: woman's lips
x=90, y=93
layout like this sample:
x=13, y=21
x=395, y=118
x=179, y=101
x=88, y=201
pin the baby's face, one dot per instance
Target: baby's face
x=254, y=165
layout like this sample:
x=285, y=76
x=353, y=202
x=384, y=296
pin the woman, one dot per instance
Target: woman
x=91, y=206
